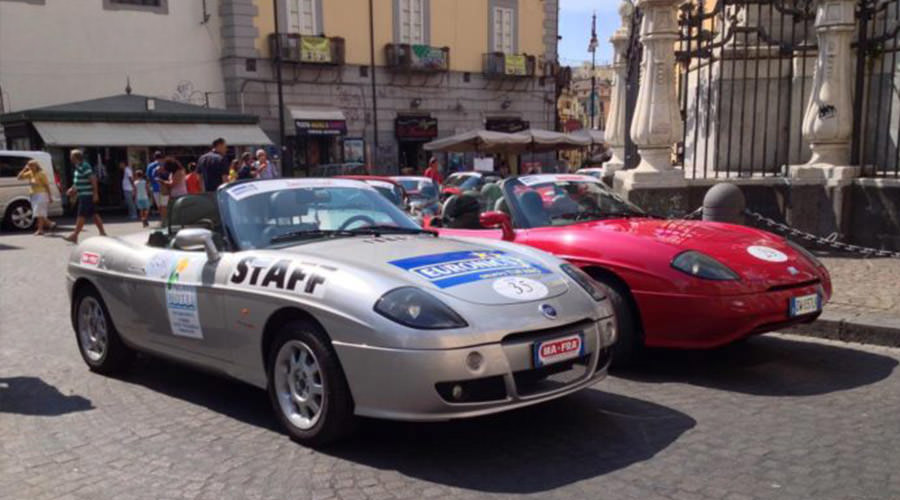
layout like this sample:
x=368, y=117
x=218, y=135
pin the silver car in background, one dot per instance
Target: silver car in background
x=330, y=298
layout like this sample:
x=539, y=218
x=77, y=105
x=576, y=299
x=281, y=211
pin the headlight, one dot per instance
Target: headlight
x=415, y=308
x=586, y=282
x=806, y=253
x=703, y=266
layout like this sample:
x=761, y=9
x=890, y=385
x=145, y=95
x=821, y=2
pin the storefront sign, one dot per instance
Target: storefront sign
x=515, y=65
x=429, y=58
x=315, y=49
x=321, y=127
x=416, y=128
x=508, y=125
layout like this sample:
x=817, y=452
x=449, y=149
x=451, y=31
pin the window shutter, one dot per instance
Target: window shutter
x=503, y=30
x=302, y=17
x=412, y=21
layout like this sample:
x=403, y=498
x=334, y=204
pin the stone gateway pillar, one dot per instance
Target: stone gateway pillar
x=828, y=119
x=616, y=125
x=656, y=125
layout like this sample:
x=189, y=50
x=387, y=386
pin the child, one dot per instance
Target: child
x=142, y=196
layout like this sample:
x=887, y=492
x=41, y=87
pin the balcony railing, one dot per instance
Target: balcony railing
x=419, y=58
x=500, y=65
x=306, y=49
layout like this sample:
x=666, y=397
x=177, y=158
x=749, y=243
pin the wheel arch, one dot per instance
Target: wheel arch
x=81, y=285
x=278, y=318
x=603, y=274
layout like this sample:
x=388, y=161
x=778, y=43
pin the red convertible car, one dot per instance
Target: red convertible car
x=675, y=283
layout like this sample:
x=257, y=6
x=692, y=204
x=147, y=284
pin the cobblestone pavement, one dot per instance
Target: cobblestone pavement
x=775, y=417
x=865, y=285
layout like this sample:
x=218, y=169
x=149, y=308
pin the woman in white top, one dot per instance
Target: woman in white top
x=263, y=167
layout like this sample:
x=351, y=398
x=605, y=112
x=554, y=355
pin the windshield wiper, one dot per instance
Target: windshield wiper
x=386, y=229
x=310, y=235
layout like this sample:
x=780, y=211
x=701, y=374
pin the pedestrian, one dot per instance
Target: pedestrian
x=264, y=168
x=128, y=188
x=246, y=169
x=40, y=193
x=233, y=170
x=164, y=181
x=192, y=180
x=151, y=176
x=177, y=177
x=85, y=189
x=213, y=166
x=142, y=194
x=433, y=171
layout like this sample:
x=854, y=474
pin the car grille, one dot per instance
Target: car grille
x=552, y=377
x=791, y=286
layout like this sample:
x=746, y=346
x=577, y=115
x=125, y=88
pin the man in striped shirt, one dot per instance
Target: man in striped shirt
x=84, y=185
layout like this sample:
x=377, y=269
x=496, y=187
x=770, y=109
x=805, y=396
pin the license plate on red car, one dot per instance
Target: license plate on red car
x=805, y=304
x=559, y=349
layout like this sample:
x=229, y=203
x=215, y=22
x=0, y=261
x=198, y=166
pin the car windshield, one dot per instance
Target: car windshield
x=464, y=182
x=390, y=191
x=275, y=213
x=558, y=200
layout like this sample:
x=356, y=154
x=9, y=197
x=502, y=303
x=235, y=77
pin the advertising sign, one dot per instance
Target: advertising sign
x=321, y=127
x=416, y=128
x=315, y=49
x=515, y=65
x=429, y=58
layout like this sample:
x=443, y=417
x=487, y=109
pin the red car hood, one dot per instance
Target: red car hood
x=763, y=260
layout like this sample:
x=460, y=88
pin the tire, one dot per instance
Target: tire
x=313, y=405
x=98, y=341
x=19, y=215
x=629, y=346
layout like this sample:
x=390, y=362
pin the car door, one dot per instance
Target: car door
x=181, y=304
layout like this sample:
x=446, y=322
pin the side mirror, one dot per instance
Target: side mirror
x=195, y=237
x=493, y=220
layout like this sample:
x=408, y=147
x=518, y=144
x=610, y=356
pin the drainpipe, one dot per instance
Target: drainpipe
x=374, y=91
x=286, y=169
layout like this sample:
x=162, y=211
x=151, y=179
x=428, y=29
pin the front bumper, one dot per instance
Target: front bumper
x=707, y=321
x=403, y=384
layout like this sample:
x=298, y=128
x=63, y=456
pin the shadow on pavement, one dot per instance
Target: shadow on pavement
x=9, y=247
x=33, y=396
x=534, y=449
x=530, y=450
x=767, y=366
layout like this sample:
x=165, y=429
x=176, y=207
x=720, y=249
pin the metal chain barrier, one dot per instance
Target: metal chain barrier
x=830, y=241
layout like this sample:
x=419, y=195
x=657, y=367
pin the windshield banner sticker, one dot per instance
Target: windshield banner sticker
x=445, y=270
x=244, y=190
x=533, y=180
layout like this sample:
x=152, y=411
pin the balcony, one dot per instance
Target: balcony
x=306, y=49
x=500, y=65
x=417, y=58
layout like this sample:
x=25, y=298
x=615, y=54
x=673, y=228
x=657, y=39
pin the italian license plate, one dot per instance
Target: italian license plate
x=559, y=349
x=805, y=304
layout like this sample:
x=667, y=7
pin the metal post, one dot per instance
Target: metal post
x=593, y=49
x=374, y=87
x=287, y=169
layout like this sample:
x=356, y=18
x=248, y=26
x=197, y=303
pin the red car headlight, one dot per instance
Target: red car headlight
x=703, y=266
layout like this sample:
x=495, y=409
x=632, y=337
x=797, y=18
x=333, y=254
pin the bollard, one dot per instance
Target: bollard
x=724, y=202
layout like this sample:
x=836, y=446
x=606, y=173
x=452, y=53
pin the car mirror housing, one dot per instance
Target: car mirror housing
x=194, y=237
x=496, y=219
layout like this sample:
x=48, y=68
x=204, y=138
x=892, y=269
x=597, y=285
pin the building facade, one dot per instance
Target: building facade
x=436, y=68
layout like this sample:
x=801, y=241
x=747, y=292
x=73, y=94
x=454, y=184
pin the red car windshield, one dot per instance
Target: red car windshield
x=548, y=200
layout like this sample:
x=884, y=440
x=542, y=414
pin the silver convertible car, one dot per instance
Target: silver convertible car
x=334, y=301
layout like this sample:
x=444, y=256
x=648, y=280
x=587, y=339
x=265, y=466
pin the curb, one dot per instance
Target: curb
x=862, y=328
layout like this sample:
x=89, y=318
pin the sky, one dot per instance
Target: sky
x=575, y=29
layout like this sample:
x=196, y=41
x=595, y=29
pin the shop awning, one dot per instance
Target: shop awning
x=116, y=134
x=317, y=114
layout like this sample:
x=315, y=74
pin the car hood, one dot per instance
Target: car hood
x=465, y=270
x=757, y=256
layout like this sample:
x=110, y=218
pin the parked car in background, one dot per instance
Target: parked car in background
x=386, y=186
x=15, y=203
x=459, y=182
x=338, y=169
x=674, y=283
x=325, y=295
x=422, y=193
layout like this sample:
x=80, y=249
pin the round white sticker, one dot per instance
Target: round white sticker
x=767, y=254
x=514, y=287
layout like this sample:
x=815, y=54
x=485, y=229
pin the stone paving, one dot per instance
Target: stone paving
x=865, y=285
x=775, y=417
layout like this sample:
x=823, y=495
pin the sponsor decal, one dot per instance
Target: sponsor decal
x=282, y=274
x=767, y=254
x=556, y=350
x=181, y=303
x=90, y=259
x=518, y=288
x=445, y=270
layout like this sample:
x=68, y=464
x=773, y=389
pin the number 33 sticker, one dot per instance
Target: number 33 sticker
x=517, y=288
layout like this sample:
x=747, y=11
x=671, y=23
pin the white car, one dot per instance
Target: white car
x=15, y=204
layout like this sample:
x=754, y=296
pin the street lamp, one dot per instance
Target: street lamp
x=592, y=48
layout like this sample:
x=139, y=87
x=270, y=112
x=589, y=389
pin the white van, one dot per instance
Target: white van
x=15, y=205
